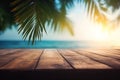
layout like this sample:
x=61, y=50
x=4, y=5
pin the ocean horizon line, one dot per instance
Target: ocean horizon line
x=50, y=44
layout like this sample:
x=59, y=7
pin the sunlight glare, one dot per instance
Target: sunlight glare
x=84, y=28
x=99, y=34
x=87, y=30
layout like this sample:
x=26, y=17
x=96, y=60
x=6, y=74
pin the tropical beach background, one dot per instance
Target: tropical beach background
x=59, y=24
x=59, y=39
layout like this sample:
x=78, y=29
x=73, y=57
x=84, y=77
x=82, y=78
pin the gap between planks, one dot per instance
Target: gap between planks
x=51, y=59
x=105, y=60
x=82, y=62
x=25, y=60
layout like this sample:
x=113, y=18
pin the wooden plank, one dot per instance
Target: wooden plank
x=4, y=59
x=105, y=60
x=117, y=51
x=32, y=54
x=51, y=59
x=20, y=64
x=105, y=53
x=7, y=51
x=26, y=61
x=3, y=51
x=82, y=62
x=113, y=51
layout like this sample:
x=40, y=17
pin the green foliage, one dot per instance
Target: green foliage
x=113, y=3
x=32, y=15
x=6, y=18
x=94, y=9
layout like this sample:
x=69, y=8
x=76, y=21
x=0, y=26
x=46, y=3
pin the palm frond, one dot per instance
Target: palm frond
x=33, y=15
x=113, y=3
x=95, y=9
x=6, y=17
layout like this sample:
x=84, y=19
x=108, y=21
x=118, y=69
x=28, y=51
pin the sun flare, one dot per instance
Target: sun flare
x=99, y=33
x=90, y=31
x=85, y=29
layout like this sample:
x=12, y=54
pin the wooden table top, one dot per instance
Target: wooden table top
x=59, y=59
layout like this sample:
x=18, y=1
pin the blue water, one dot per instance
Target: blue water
x=43, y=44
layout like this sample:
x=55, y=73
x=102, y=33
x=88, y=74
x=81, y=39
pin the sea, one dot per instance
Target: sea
x=50, y=44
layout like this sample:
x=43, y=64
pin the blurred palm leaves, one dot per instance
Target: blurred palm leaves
x=6, y=18
x=94, y=10
x=115, y=4
x=32, y=15
x=99, y=11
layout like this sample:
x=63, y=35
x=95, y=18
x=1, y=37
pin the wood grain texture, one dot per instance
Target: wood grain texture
x=51, y=59
x=102, y=59
x=82, y=62
x=105, y=53
x=59, y=59
x=8, y=51
x=4, y=59
x=27, y=60
x=114, y=51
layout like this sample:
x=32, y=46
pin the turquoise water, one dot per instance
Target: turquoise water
x=44, y=44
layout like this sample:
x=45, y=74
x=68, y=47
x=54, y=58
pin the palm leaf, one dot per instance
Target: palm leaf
x=32, y=16
x=6, y=17
x=94, y=9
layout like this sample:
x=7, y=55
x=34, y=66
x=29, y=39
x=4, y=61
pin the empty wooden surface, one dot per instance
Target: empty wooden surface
x=59, y=59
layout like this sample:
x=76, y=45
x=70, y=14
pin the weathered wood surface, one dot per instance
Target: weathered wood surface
x=82, y=62
x=59, y=59
x=53, y=60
